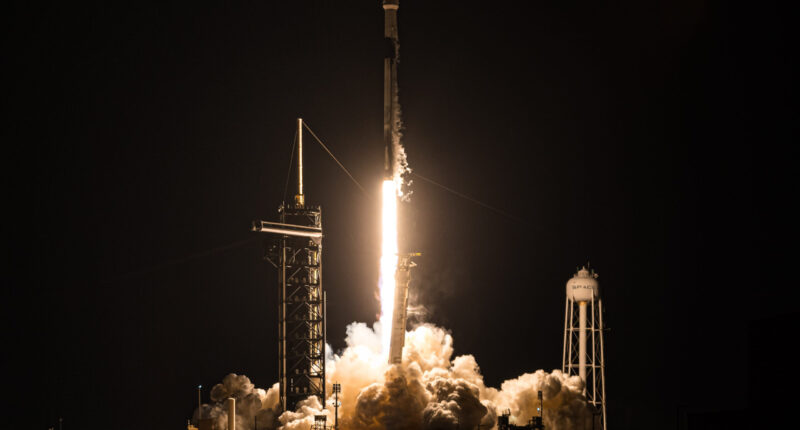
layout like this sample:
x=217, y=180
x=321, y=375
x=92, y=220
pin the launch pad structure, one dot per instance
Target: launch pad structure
x=295, y=249
x=297, y=254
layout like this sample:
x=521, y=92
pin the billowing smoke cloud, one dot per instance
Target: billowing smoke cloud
x=400, y=159
x=252, y=404
x=429, y=390
x=303, y=417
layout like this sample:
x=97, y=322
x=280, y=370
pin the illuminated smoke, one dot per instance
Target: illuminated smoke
x=400, y=161
x=429, y=390
x=252, y=404
x=303, y=417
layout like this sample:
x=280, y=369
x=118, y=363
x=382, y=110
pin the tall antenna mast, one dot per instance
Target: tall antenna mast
x=299, y=199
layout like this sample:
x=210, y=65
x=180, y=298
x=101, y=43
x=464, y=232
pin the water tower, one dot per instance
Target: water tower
x=583, y=340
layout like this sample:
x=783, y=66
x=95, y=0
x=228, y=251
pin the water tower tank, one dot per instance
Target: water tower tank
x=583, y=286
x=583, y=354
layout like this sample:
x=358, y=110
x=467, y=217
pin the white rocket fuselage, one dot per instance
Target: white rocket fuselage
x=400, y=314
x=390, y=125
x=389, y=84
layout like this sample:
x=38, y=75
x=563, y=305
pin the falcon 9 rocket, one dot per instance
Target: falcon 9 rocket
x=394, y=270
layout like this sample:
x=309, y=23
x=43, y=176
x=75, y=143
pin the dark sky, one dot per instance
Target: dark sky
x=650, y=138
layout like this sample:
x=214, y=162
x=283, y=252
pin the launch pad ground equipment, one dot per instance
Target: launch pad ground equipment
x=536, y=422
x=337, y=388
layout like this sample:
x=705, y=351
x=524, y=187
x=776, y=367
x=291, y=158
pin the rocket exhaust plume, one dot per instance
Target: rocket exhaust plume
x=429, y=389
x=389, y=250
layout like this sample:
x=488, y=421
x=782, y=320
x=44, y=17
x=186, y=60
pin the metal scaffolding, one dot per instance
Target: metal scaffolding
x=297, y=254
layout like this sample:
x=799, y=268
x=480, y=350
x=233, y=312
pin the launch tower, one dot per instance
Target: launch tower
x=583, y=340
x=297, y=254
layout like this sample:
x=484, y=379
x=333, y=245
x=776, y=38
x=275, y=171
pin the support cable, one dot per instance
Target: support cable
x=464, y=196
x=335, y=159
x=289, y=172
x=183, y=260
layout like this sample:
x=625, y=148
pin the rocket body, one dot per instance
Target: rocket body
x=400, y=311
x=391, y=140
x=391, y=122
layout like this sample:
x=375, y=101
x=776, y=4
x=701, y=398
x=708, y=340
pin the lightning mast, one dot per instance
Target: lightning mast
x=297, y=254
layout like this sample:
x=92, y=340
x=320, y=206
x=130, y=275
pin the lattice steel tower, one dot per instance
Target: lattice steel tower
x=297, y=254
x=583, y=341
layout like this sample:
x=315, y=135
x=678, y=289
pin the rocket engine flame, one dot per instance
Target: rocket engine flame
x=389, y=250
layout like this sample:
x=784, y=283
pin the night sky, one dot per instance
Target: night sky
x=649, y=138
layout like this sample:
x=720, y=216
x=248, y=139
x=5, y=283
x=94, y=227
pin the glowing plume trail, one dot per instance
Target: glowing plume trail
x=388, y=261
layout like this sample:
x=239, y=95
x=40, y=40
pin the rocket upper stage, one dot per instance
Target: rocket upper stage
x=390, y=102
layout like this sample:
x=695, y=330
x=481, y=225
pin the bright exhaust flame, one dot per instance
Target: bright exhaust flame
x=388, y=261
